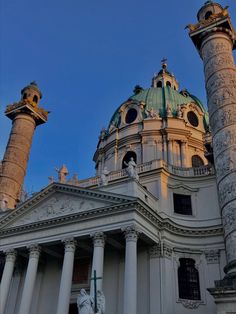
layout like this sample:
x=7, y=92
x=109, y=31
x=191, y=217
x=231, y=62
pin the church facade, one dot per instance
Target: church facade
x=155, y=230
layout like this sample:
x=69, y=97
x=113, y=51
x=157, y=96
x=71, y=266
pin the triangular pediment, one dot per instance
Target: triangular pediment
x=59, y=200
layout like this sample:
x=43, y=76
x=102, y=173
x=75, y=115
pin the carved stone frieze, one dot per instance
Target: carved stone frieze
x=231, y=247
x=223, y=96
x=225, y=163
x=217, y=47
x=219, y=79
x=190, y=304
x=229, y=217
x=57, y=206
x=223, y=117
x=221, y=61
x=224, y=139
x=227, y=189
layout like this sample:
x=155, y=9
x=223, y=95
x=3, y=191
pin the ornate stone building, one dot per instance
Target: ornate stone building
x=157, y=222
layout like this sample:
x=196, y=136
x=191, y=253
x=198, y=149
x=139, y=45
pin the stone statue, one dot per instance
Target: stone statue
x=101, y=304
x=152, y=114
x=103, y=134
x=104, y=176
x=24, y=195
x=132, y=169
x=51, y=179
x=168, y=111
x=179, y=112
x=62, y=173
x=85, y=303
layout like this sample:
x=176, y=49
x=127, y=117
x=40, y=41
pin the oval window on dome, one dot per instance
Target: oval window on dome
x=131, y=115
x=192, y=118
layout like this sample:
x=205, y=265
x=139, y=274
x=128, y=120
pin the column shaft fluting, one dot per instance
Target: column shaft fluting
x=98, y=260
x=130, y=280
x=30, y=278
x=6, y=278
x=66, y=277
x=220, y=75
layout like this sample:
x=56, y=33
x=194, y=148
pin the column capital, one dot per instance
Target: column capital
x=10, y=255
x=34, y=250
x=98, y=238
x=155, y=251
x=131, y=233
x=69, y=244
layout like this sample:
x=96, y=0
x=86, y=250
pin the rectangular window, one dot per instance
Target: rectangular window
x=182, y=204
x=81, y=271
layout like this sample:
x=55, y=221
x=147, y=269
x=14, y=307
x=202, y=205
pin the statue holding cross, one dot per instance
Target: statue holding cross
x=88, y=304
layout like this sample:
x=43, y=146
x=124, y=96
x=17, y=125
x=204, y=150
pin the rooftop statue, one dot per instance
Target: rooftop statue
x=62, y=173
x=132, y=169
x=104, y=176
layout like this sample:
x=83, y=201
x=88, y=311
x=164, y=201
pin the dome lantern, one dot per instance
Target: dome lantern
x=164, y=78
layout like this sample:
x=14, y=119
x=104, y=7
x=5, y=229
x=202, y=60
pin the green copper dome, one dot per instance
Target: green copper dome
x=158, y=98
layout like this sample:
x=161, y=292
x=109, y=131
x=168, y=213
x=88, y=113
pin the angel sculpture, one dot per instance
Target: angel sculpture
x=85, y=303
x=101, y=303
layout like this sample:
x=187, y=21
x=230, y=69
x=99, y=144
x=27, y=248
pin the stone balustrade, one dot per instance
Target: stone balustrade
x=148, y=166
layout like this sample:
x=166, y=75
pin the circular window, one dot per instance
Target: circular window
x=192, y=118
x=131, y=115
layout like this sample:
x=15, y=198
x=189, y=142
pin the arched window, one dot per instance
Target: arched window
x=168, y=83
x=159, y=84
x=35, y=99
x=207, y=15
x=127, y=157
x=197, y=161
x=188, y=280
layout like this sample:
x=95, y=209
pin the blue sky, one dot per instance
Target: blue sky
x=86, y=57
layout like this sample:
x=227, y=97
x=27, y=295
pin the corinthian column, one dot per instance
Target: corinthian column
x=30, y=278
x=98, y=259
x=130, y=280
x=6, y=278
x=66, y=277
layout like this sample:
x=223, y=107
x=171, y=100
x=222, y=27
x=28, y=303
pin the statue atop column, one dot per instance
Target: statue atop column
x=132, y=169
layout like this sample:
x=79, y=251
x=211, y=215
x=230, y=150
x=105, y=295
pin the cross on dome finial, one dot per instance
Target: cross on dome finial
x=164, y=63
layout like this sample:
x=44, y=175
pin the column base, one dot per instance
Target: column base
x=224, y=295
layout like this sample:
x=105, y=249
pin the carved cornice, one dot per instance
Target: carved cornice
x=190, y=304
x=165, y=224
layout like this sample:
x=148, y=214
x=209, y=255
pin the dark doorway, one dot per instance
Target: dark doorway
x=73, y=309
